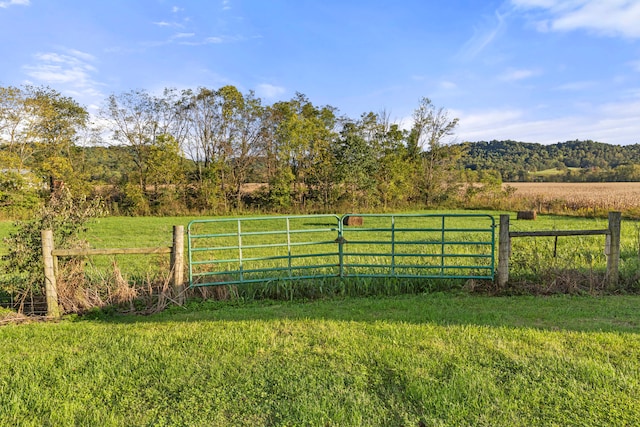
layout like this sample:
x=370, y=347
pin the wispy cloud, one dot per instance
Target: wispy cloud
x=209, y=40
x=269, y=91
x=515, y=75
x=6, y=4
x=576, y=86
x=226, y=4
x=448, y=85
x=183, y=36
x=70, y=70
x=610, y=18
x=168, y=24
x=483, y=36
x=214, y=40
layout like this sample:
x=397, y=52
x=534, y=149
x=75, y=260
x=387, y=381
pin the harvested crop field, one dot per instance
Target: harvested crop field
x=580, y=197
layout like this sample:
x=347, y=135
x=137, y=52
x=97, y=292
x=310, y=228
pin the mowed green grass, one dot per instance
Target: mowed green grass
x=439, y=359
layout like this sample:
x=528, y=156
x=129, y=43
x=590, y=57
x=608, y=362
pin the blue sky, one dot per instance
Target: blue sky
x=530, y=70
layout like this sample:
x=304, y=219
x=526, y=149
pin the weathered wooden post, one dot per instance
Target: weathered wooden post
x=504, y=250
x=50, y=286
x=612, y=249
x=177, y=262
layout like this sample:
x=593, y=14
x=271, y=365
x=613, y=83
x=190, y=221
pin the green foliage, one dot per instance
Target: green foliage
x=357, y=166
x=575, y=161
x=433, y=159
x=198, y=151
x=19, y=195
x=134, y=201
x=280, y=196
x=22, y=265
x=166, y=175
x=395, y=173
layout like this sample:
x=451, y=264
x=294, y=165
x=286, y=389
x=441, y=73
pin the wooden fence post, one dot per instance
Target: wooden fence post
x=612, y=249
x=50, y=286
x=177, y=263
x=504, y=250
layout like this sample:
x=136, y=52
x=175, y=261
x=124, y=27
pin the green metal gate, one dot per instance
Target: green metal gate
x=245, y=250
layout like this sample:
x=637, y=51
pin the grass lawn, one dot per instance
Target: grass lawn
x=438, y=359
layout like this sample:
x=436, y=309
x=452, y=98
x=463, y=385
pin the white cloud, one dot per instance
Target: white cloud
x=226, y=4
x=269, y=91
x=536, y=3
x=71, y=72
x=448, y=85
x=183, y=35
x=576, y=86
x=214, y=40
x=168, y=24
x=5, y=4
x=176, y=9
x=515, y=75
x=610, y=17
x=478, y=122
x=614, y=123
x=201, y=42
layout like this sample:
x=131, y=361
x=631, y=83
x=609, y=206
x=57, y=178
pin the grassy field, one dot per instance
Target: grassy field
x=432, y=360
x=553, y=172
x=531, y=257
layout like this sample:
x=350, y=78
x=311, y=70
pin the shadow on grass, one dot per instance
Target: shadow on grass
x=567, y=313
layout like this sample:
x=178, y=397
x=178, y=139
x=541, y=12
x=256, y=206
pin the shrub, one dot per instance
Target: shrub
x=22, y=266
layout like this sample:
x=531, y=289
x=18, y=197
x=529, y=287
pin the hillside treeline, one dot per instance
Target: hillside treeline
x=574, y=161
x=199, y=151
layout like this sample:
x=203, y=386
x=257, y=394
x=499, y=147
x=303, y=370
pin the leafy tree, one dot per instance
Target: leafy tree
x=166, y=174
x=13, y=118
x=39, y=129
x=357, y=166
x=224, y=128
x=298, y=139
x=134, y=119
x=427, y=148
x=55, y=122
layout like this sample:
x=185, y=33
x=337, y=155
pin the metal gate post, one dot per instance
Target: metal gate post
x=340, y=240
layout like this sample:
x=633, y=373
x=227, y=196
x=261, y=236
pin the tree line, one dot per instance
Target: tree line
x=219, y=151
x=196, y=151
x=575, y=161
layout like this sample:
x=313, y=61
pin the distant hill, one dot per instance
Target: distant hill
x=515, y=161
x=573, y=160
